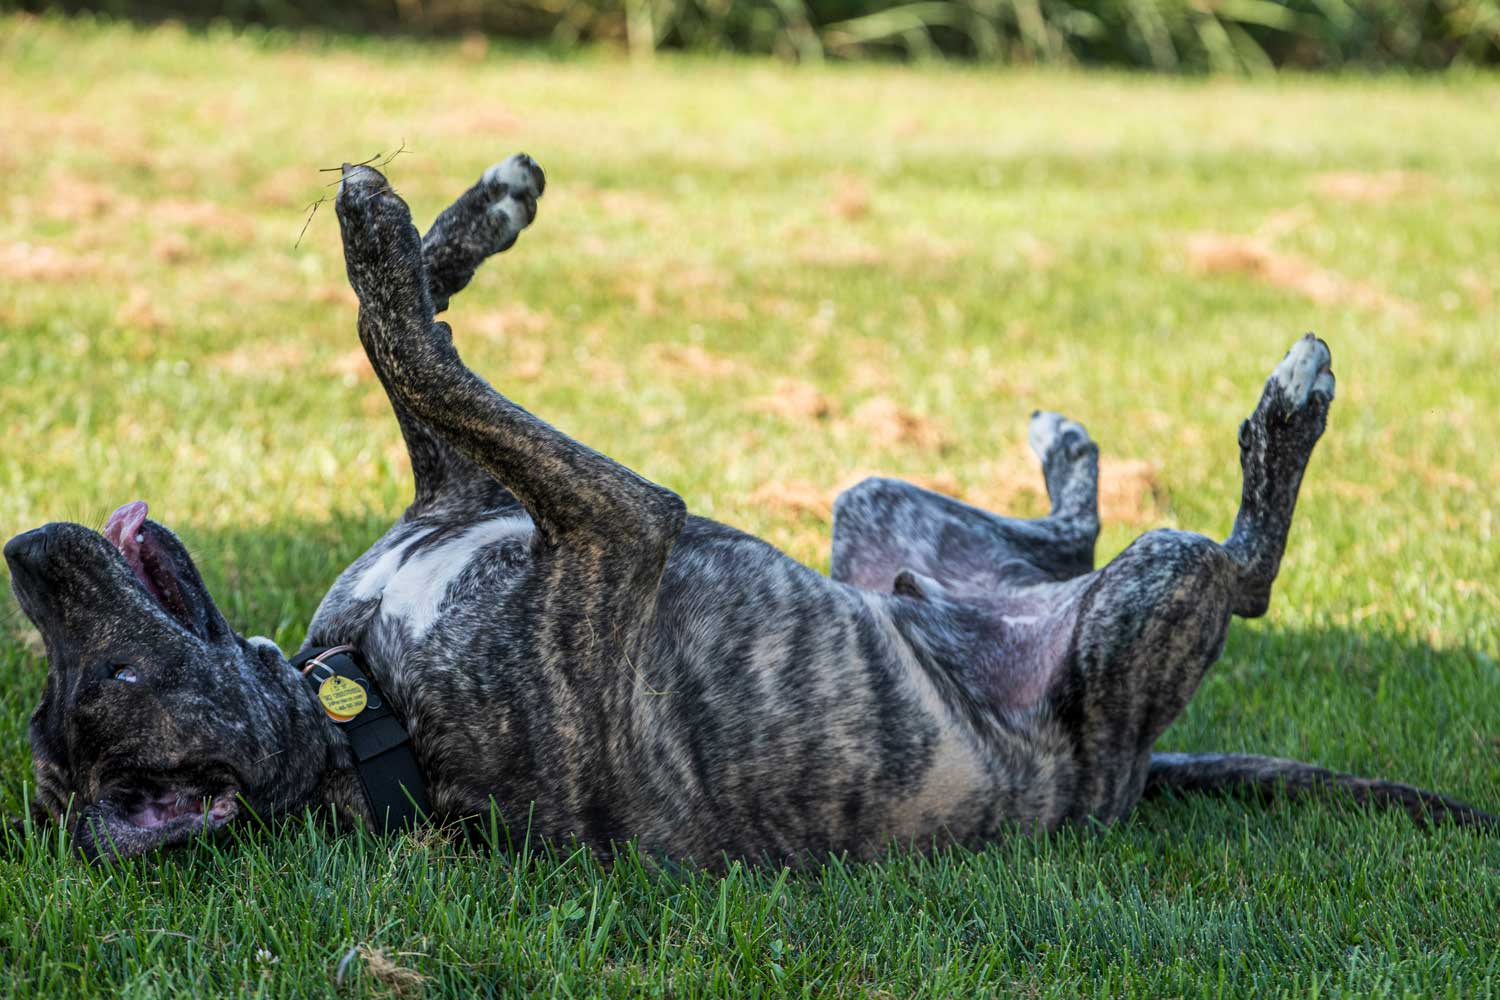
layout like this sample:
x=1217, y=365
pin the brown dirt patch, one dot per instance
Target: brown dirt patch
x=1370, y=188
x=201, y=215
x=888, y=423
x=794, y=399
x=1130, y=491
x=287, y=188
x=31, y=262
x=842, y=253
x=513, y=320
x=334, y=294
x=353, y=365
x=478, y=118
x=72, y=199
x=797, y=497
x=690, y=359
x=1254, y=257
x=171, y=248
x=139, y=311
x=255, y=359
x=851, y=197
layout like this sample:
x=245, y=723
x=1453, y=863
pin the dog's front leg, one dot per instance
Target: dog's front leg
x=485, y=220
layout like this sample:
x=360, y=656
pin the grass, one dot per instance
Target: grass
x=750, y=283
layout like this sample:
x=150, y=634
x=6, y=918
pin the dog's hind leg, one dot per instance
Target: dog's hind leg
x=606, y=529
x=1151, y=623
x=1275, y=442
x=891, y=535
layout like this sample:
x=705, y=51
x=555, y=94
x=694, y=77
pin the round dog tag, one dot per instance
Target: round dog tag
x=342, y=698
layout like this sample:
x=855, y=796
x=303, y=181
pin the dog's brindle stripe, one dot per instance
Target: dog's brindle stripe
x=566, y=644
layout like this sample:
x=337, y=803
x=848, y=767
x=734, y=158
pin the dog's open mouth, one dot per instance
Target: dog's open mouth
x=128, y=531
x=164, y=808
x=146, y=810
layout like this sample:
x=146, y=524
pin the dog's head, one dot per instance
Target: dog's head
x=158, y=720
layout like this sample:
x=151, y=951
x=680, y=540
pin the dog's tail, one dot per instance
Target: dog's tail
x=1268, y=776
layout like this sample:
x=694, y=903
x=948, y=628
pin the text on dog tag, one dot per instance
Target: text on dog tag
x=342, y=698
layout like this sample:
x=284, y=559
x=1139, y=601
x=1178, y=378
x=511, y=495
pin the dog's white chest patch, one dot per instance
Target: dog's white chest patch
x=413, y=589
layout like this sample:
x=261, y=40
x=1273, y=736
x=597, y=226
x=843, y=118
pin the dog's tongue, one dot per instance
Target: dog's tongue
x=123, y=531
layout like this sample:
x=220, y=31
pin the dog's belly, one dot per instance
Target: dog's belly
x=785, y=713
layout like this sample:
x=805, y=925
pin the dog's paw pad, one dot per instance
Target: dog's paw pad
x=513, y=186
x=1305, y=371
x=519, y=173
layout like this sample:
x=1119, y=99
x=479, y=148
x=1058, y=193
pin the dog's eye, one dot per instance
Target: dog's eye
x=125, y=674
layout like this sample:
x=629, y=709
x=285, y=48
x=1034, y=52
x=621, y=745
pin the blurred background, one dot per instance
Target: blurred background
x=1167, y=35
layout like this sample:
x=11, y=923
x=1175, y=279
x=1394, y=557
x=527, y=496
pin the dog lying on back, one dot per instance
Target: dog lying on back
x=549, y=634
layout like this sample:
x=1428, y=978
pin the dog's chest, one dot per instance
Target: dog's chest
x=422, y=573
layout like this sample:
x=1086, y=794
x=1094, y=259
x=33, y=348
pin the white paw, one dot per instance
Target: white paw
x=1304, y=370
x=519, y=173
x=1046, y=427
x=514, y=184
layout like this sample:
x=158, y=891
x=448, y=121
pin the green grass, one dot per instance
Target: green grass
x=926, y=256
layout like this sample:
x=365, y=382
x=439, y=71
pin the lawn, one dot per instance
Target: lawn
x=754, y=283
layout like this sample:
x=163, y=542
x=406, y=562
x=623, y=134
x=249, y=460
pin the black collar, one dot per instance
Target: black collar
x=383, y=757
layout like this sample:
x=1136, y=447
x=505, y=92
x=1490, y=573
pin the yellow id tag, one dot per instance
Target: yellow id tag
x=342, y=698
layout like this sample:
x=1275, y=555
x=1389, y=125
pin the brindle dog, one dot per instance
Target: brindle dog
x=563, y=642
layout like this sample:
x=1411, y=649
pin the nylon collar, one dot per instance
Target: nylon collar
x=383, y=759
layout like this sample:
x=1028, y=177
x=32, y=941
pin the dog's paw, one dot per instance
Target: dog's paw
x=382, y=251
x=1052, y=433
x=1305, y=373
x=508, y=195
x=514, y=184
x=1293, y=409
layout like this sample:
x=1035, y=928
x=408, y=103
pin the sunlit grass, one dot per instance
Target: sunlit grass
x=752, y=283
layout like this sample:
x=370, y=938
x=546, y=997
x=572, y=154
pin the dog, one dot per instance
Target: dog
x=549, y=636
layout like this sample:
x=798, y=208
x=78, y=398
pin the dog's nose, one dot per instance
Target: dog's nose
x=29, y=547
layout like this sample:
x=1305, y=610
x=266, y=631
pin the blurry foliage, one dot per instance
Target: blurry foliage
x=1172, y=35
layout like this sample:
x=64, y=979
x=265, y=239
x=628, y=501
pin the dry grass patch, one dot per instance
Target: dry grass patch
x=887, y=423
x=70, y=198
x=850, y=200
x=794, y=399
x=140, y=312
x=393, y=978
x=32, y=262
x=1370, y=188
x=1256, y=258
x=692, y=360
x=469, y=119
x=255, y=359
x=1130, y=491
x=797, y=497
x=352, y=366
x=508, y=322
